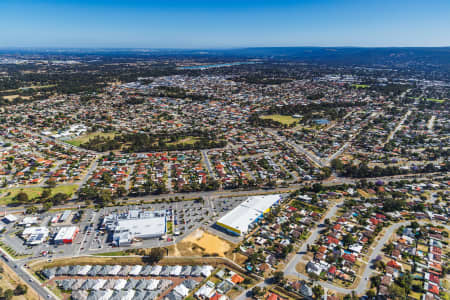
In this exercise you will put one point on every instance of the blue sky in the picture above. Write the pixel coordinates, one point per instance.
(223, 24)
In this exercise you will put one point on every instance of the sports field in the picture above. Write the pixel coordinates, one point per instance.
(86, 137)
(7, 195)
(285, 120)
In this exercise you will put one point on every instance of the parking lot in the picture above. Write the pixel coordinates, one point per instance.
(184, 216)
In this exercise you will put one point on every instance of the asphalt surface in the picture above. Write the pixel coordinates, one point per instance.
(290, 267)
(18, 268)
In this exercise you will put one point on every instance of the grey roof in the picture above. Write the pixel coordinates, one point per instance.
(73, 270)
(94, 270)
(62, 270)
(186, 271)
(78, 284)
(124, 271)
(165, 271)
(154, 268)
(146, 271)
(104, 271)
(88, 284)
(65, 284)
(49, 273)
(196, 271)
(95, 295)
(164, 284)
(118, 295)
(142, 284)
(131, 284)
(151, 295)
(109, 284)
(140, 295)
(190, 283)
(79, 295)
(173, 296)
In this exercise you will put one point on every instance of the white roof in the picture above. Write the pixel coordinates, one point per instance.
(206, 270)
(99, 284)
(114, 270)
(248, 211)
(120, 284)
(129, 295)
(182, 290)
(11, 218)
(206, 290)
(35, 230)
(156, 270)
(152, 285)
(176, 270)
(135, 270)
(106, 295)
(66, 233)
(142, 227)
(29, 220)
(84, 270)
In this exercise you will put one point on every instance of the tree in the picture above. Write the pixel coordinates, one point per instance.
(47, 205)
(31, 210)
(8, 294)
(256, 291)
(396, 292)
(277, 277)
(51, 184)
(318, 291)
(371, 294)
(59, 198)
(21, 289)
(105, 197)
(348, 239)
(156, 254)
(46, 193)
(22, 197)
(121, 191)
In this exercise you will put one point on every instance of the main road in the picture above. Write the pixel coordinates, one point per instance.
(18, 268)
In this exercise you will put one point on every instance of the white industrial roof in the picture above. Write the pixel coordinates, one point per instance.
(142, 227)
(11, 218)
(248, 211)
(66, 233)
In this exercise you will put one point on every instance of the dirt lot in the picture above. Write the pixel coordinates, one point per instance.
(202, 243)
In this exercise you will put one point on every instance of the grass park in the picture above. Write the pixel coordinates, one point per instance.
(7, 195)
(86, 137)
(436, 100)
(190, 140)
(361, 86)
(285, 120)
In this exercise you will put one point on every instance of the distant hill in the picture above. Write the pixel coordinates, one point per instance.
(348, 55)
(429, 57)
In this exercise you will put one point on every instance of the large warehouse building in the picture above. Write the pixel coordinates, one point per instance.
(140, 224)
(238, 220)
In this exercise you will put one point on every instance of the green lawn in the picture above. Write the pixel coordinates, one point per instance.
(285, 120)
(9, 194)
(361, 86)
(169, 227)
(190, 140)
(86, 137)
(436, 100)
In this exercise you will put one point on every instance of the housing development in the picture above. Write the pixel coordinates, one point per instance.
(225, 175)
